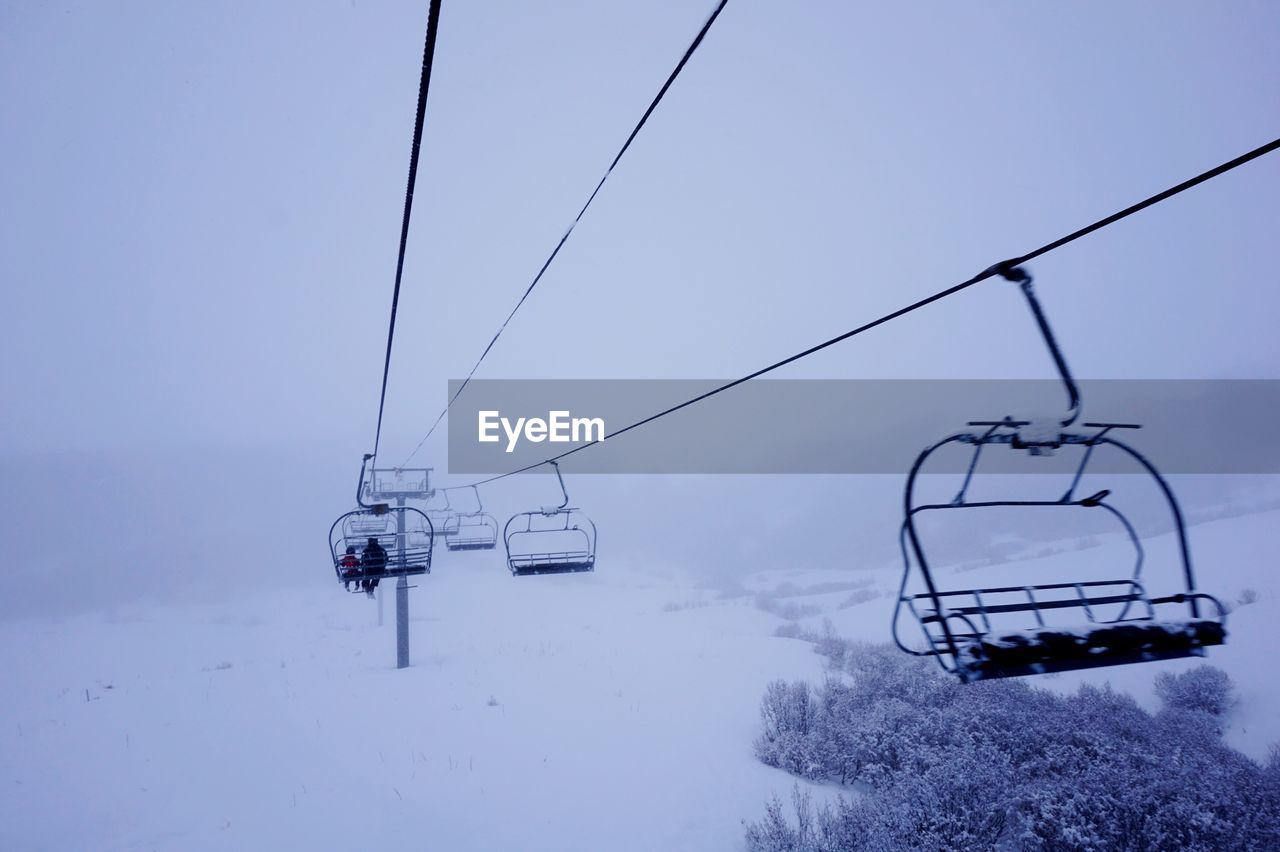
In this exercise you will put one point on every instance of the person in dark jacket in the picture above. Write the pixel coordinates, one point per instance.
(374, 562)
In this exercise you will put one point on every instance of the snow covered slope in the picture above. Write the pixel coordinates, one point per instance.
(610, 710)
(561, 712)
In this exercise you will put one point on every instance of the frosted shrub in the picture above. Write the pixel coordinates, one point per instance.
(786, 716)
(1204, 688)
(831, 646)
(1001, 764)
(959, 803)
(775, 834)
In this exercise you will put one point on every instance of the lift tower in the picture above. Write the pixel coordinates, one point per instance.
(399, 484)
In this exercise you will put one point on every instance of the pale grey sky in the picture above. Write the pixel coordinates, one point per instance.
(200, 202)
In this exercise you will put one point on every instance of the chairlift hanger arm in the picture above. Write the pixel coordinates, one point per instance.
(555, 464)
(364, 463)
(1023, 279)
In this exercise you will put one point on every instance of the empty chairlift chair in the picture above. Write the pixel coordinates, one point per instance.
(476, 530)
(1012, 629)
(550, 540)
(443, 517)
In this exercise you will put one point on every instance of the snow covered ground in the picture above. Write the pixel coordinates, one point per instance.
(613, 710)
(559, 712)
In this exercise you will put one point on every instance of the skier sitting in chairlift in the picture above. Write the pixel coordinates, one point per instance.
(374, 562)
(350, 565)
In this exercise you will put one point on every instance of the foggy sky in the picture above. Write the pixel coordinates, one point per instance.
(200, 206)
(201, 203)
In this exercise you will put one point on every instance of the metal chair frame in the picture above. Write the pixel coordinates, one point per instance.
(405, 533)
(567, 520)
(476, 530)
(408, 539)
(957, 624)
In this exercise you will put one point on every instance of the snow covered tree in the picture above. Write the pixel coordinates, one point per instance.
(787, 715)
(1205, 688)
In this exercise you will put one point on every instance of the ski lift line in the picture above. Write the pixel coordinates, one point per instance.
(1006, 268)
(1149, 202)
(424, 83)
(693, 46)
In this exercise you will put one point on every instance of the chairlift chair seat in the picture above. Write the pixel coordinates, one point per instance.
(1057, 649)
(1133, 635)
(551, 563)
(477, 531)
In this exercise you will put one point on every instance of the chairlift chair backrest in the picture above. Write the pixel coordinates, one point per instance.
(443, 517)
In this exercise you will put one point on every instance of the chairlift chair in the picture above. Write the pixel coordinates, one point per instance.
(550, 540)
(1017, 630)
(405, 533)
(476, 530)
(443, 518)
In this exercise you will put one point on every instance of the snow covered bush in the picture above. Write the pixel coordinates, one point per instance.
(1001, 764)
(786, 715)
(775, 834)
(830, 645)
(1204, 688)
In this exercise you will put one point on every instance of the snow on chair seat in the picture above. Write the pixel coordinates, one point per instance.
(459, 541)
(551, 563)
(1057, 649)
(1122, 627)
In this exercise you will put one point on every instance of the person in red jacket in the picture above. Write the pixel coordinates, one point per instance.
(350, 565)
